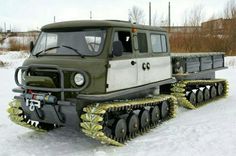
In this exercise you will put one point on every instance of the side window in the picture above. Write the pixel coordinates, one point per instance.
(163, 43)
(142, 43)
(158, 43)
(125, 38)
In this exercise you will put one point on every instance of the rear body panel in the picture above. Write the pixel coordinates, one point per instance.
(196, 65)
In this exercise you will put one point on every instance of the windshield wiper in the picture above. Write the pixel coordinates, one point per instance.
(46, 50)
(75, 50)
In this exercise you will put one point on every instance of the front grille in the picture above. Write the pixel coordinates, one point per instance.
(52, 73)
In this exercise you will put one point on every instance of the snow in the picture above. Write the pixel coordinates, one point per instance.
(22, 40)
(230, 62)
(13, 59)
(209, 130)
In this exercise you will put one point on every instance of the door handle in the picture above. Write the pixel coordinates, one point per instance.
(144, 66)
(133, 63)
(148, 66)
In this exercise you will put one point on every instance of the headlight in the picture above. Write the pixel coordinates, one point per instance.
(79, 79)
(23, 75)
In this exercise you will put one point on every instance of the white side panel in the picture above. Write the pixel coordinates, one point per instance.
(160, 69)
(121, 75)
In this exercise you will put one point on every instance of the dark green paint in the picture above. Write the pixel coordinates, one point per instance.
(73, 25)
(95, 66)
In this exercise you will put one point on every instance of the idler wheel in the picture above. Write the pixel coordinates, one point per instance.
(192, 98)
(199, 95)
(119, 129)
(144, 118)
(220, 89)
(133, 123)
(206, 94)
(213, 91)
(155, 114)
(164, 109)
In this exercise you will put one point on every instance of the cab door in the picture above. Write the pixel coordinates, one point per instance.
(122, 71)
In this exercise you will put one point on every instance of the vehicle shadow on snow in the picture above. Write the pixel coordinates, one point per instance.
(69, 140)
(64, 141)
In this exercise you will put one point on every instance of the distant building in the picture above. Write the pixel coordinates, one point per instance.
(182, 29)
(218, 26)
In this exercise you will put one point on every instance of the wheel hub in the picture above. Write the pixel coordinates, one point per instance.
(192, 97)
(119, 128)
(164, 109)
(213, 91)
(155, 114)
(144, 118)
(133, 123)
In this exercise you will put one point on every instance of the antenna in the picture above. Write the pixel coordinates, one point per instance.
(150, 13)
(169, 16)
(5, 27)
(91, 15)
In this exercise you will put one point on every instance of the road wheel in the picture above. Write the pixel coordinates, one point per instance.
(133, 123)
(199, 95)
(164, 109)
(155, 114)
(120, 128)
(206, 94)
(192, 98)
(144, 118)
(213, 91)
(220, 89)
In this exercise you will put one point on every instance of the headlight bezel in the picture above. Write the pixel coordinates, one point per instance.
(84, 84)
(79, 79)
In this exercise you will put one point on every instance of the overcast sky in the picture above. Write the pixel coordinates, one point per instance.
(32, 14)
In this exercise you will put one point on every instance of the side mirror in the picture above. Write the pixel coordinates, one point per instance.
(117, 48)
(31, 46)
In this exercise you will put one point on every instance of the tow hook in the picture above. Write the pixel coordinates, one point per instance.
(32, 104)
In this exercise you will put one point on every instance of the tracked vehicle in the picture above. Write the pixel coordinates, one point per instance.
(113, 80)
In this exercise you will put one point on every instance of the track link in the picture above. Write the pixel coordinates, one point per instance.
(17, 116)
(180, 90)
(94, 118)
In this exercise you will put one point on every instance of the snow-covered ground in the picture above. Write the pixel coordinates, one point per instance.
(209, 130)
(22, 40)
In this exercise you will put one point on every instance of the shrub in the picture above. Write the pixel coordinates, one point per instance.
(1, 64)
(15, 45)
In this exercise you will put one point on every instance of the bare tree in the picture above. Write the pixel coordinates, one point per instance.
(229, 27)
(230, 9)
(155, 21)
(195, 16)
(161, 21)
(136, 15)
(192, 34)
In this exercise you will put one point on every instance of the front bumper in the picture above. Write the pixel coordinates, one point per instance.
(62, 113)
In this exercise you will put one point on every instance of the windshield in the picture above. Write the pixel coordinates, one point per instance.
(84, 43)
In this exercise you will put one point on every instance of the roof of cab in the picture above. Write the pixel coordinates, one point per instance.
(73, 25)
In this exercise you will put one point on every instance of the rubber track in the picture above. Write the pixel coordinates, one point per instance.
(179, 91)
(93, 118)
(16, 116)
